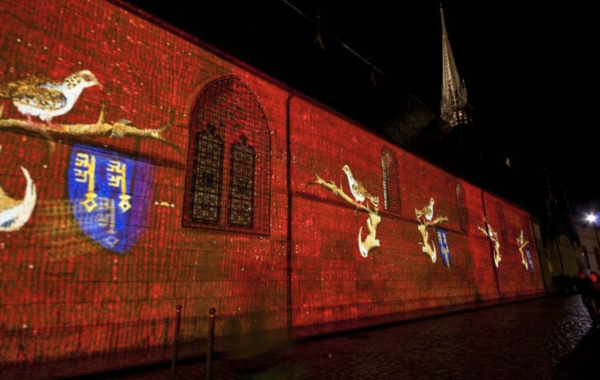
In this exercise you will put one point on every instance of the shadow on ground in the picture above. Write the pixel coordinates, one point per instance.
(583, 362)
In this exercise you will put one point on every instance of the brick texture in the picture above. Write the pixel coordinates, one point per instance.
(62, 293)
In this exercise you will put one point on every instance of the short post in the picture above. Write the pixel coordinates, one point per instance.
(211, 338)
(176, 339)
(166, 335)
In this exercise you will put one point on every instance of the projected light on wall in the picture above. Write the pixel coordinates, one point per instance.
(14, 213)
(361, 200)
(110, 195)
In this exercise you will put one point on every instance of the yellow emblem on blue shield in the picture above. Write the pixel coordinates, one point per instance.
(110, 195)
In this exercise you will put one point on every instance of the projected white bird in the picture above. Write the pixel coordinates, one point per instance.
(359, 192)
(427, 211)
(14, 214)
(47, 99)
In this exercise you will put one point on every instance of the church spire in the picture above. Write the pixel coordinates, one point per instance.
(454, 105)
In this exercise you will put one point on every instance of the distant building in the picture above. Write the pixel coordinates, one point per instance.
(590, 245)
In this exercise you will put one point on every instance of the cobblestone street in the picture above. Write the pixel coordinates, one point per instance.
(547, 338)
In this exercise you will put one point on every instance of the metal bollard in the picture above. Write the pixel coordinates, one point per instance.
(211, 338)
(166, 335)
(176, 339)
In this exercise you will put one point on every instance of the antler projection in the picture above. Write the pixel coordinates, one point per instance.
(522, 244)
(493, 236)
(371, 241)
(428, 245)
(120, 129)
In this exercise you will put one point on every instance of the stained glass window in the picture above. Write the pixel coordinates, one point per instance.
(241, 188)
(391, 181)
(208, 170)
(229, 160)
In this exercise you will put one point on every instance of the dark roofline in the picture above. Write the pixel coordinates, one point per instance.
(123, 4)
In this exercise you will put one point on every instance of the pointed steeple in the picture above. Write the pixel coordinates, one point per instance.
(454, 106)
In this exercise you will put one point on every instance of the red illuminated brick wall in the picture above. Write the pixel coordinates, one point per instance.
(331, 281)
(65, 292)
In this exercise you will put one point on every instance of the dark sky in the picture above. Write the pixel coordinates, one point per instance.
(527, 65)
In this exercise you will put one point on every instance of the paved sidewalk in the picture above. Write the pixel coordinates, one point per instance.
(547, 338)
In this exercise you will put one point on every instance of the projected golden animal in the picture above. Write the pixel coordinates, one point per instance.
(45, 99)
(425, 219)
(522, 244)
(14, 213)
(359, 193)
(427, 211)
(493, 236)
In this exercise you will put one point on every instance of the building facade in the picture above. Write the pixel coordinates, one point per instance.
(590, 247)
(142, 170)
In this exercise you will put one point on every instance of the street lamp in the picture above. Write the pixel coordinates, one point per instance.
(591, 218)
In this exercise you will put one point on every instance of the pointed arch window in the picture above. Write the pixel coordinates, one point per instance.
(463, 212)
(207, 177)
(391, 181)
(241, 187)
(501, 222)
(229, 161)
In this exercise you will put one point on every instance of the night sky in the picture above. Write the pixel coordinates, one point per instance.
(527, 67)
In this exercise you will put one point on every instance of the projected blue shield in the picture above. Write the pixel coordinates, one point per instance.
(442, 238)
(110, 196)
(529, 261)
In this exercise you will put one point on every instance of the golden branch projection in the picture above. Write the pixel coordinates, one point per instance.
(119, 129)
(493, 236)
(425, 219)
(371, 241)
(522, 244)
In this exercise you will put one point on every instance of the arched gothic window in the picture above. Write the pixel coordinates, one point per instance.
(229, 161)
(391, 181)
(241, 185)
(463, 213)
(207, 177)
